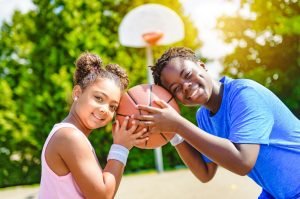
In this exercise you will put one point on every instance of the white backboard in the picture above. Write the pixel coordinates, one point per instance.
(150, 18)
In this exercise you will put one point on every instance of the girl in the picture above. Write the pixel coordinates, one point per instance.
(242, 126)
(70, 168)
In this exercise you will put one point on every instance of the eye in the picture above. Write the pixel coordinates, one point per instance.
(99, 99)
(113, 108)
(188, 75)
(176, 89)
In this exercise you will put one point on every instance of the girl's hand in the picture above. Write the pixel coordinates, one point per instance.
(164, 118)
(128, 138)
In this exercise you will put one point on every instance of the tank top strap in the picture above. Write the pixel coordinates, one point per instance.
(58, 126)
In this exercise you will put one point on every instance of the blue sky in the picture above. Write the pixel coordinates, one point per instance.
(202, 12)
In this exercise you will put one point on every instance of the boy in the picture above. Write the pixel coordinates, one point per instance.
(242, 126)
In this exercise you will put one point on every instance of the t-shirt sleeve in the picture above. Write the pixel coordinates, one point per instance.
(251, 120)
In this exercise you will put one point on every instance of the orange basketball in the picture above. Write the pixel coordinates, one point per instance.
(144, 94)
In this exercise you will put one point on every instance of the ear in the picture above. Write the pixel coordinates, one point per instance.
(201, 64)
(76, 92)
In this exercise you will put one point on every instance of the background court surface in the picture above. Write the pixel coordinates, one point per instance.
(178, 184)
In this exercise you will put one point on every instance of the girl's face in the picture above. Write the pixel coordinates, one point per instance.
(97, 103)
(187, 81)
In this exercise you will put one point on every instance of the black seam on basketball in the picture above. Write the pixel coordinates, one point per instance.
(130, 95)
(164, 136)
(148, 129)
(122, 115)
(170, 99)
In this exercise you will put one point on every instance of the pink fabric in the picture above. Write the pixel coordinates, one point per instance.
(53, 186)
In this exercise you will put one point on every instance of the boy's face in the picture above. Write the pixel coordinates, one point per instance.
(187, 81)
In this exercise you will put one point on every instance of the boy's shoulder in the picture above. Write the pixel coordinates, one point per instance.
(239, 82)
(235, 86)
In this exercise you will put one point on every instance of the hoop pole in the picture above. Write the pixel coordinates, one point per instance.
(157, 151)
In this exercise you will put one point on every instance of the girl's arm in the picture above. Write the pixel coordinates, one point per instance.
(85, 168)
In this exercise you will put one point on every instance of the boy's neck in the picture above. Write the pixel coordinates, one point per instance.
(215, 100)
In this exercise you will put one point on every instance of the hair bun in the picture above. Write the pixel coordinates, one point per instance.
(86, 63)
(120, 72)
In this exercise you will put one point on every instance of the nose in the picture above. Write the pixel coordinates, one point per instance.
(103, 109)
(186, 86)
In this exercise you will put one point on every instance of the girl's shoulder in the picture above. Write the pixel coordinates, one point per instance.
(67, 136)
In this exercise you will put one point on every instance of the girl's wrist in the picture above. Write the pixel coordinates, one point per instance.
(118, 152)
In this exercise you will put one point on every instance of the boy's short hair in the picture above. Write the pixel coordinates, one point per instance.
(171, 53)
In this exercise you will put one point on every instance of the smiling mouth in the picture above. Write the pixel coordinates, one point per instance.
(193, 94)
(97, 117)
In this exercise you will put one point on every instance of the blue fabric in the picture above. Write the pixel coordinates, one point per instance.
(250, 113)
(265, 195)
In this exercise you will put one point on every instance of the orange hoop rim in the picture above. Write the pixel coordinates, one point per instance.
(153, 37)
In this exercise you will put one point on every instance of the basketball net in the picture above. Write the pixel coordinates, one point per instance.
(152, 38)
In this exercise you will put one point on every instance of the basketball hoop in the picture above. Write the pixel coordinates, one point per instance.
(147, 20)
(152, 37)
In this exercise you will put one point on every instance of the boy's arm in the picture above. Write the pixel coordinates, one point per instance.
(238, 158)
(193, 160)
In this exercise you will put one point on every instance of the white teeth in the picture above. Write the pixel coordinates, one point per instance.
(194, 92)
(99, 118)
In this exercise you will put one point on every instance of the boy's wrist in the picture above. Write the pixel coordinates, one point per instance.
(177, 139)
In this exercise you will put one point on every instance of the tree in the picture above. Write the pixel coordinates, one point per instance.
(267, 46)
(38, 51)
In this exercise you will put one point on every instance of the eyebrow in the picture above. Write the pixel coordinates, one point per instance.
(181, 73)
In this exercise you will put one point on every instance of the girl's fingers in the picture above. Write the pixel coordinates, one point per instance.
(141, 141)
(146, 134)
(115, 126)
(133, 127)
(141, 133)
(124, 124)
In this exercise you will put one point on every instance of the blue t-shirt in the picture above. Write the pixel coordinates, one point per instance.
(250, 113)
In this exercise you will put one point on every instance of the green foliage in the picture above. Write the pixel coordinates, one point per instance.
(267, 47)
(38, 51)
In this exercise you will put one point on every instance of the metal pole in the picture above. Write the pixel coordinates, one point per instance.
(157, 152)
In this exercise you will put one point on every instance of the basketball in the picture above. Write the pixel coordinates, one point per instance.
(144, 94)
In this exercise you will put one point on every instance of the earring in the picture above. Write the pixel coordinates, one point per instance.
(75, 98)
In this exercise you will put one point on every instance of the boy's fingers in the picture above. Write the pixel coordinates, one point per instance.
(143, 117)
(161, 103)
(146, 123)
(149, 109)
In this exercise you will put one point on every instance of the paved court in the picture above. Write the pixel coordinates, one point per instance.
(178, 184)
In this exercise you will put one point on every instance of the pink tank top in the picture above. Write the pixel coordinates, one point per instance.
(54, 186)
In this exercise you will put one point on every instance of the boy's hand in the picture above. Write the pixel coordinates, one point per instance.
(164, 118)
